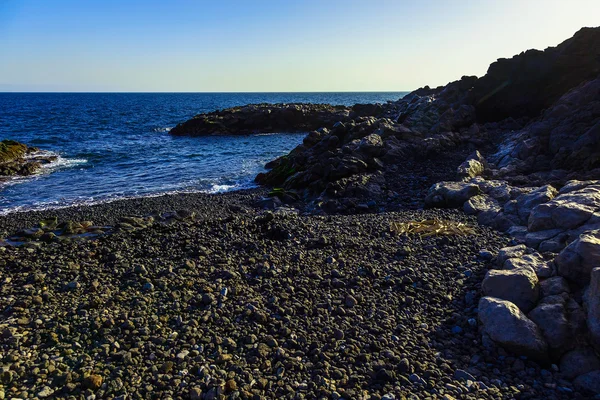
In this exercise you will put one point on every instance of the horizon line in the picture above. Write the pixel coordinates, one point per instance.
(206, 92)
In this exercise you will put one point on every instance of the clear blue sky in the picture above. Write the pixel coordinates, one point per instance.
(270, 45)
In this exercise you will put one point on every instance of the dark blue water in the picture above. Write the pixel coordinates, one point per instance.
(115, 145)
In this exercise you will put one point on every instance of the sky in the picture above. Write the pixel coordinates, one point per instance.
(270, 45)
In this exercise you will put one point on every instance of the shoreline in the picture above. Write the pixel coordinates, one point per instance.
(109, 213)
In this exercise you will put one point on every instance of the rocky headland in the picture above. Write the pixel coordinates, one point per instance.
(446, 245)
(17, 159)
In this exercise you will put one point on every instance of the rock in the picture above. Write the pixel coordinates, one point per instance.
(593, 308)
(552, 320)
(519, 286)
(569, 210)
(463, 375)
(533, 80)
(535, 239)
(45, 392)
(511, 329)
(196, 393)
(553, 286)
(510, 252)
(579, 362)
(533, 261)
(450, 194)
(589, 382)
(92, 382)
(473, 166)
(371, 145)
(481, 203)
(526, 202)
(257, 118)
(576, 261)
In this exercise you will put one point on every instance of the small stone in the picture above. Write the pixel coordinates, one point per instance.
(230, 386)
(45, 392)
(351, 301)
(195, 393)
(464, 375)
(93, 382)
(208, 299)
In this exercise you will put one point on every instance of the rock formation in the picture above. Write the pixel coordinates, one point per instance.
(265, 118)
(16, 159)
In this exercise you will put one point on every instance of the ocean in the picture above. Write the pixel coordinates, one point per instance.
(116, 145)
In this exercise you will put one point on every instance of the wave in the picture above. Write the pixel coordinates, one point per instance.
(162, 129)
(57, 162)
(215, 188)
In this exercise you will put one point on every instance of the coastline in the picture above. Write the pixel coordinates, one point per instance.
(393, 258)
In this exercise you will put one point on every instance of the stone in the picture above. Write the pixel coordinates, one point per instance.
(553, 322)
(534, 239)
(507, 326)
(93, 382)
(510, 252)
(533, 261)
(576, 261)
(526, 202)
(554, 244)
(593, 308)
(589, 382)
(450, 194)
(473, 166)
(464, 375)
(371, 145)
(579, 362)
(481, 203)
(519, 286)
(553, 286)
(196, 393)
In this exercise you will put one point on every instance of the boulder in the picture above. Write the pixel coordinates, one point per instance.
(371, 145)
(533, 261)
(519, 286)
(554, 286)
(553, 322)
(510, 328)
(450, 194)
(535, 239)
(526, 202)
(510, 252)
(579, 362)
(593, 308)
(481, 203)
(569, 210)
(589, 382)
(473, 166)
(576, 261)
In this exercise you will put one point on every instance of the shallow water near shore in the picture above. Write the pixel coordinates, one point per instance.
(116, 145)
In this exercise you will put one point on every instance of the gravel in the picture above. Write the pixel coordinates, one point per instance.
(245, 303)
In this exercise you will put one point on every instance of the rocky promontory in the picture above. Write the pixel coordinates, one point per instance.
(17, 159)
(263, 118)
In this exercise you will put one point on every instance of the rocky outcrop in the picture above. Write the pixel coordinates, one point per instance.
(17, 159)
(532, 81)
(265, 118)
